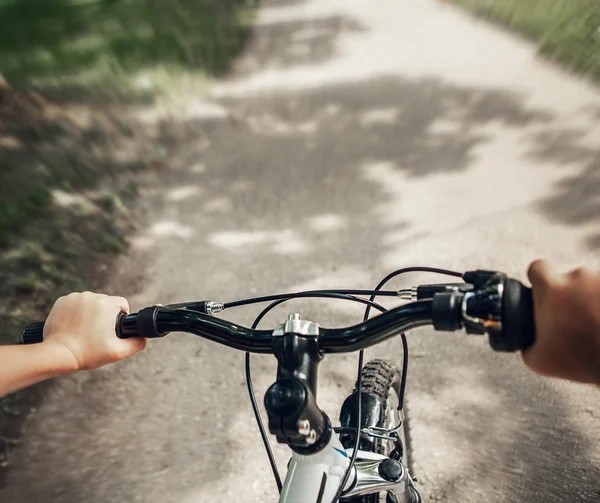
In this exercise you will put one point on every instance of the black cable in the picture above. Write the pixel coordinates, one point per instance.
(341, 294)
(405, 270)
(345, 430)
(381, 284)
(340, 490)
(261, 426)
(323, 294)
(269, 298)
(404, 369)
(263, 313)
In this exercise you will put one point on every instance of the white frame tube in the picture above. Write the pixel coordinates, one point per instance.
(316, 475)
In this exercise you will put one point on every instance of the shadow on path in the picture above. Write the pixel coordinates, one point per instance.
(576, 199)
(278, 191)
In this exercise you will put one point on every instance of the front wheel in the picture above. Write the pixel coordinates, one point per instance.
(380, 398)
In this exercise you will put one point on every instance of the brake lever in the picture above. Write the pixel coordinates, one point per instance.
(479, 278)
(502, 308)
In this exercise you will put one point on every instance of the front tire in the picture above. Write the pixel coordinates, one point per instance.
(379, 399)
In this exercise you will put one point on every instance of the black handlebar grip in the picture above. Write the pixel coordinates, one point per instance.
(144, 323)
(518, 324)
(33, 333)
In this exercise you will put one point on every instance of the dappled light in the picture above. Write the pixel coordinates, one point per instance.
(283, 242)
(575, 199)
(183, 193)
(203, 110)
(218, 205)
(239, 239)
(445, 126)
(197, 168)
(283, 44)
(289, 242)
(142, 243)
(348, 140)
(168, 229)
(473, 396)
(241, 186)
(10, 143)
(380, 116)
(70, 200)
(271, 126)
(328, 222)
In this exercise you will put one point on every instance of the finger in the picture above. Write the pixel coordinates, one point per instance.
(121, 303)
(133, 345)
(540, 273)
(61, 300)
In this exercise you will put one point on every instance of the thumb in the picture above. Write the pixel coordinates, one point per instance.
(540, 273)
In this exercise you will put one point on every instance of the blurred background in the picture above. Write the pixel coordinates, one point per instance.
(220, 149)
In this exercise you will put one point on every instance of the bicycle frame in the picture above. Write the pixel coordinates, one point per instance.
(319, 460)
(317, 477)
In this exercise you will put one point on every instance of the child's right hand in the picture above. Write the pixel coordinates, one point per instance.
(84, 324)
(567, 319)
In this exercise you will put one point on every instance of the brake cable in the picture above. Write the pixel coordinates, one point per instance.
(381, 284)
(335, 294)
(263, 313)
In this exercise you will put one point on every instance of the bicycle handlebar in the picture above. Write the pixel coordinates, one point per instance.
(158, 321)
(502, 308)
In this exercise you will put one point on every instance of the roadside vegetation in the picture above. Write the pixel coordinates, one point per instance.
(74, 156)
(73, 73)
(567, 31)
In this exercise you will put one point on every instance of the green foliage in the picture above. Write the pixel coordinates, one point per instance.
(55, 38)
(14, 214)
(111, 243)
(103, 55)
(76, 50)
(566, 30)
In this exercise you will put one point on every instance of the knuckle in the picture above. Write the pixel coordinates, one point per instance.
(116, 354)
(62, 300)
(536, 264)
(537, 272)
(578, 274)
(123, 302)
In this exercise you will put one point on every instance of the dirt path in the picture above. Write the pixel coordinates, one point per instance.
(353, 139)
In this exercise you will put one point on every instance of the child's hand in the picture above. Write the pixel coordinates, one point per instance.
(84, 324)
(567, 319)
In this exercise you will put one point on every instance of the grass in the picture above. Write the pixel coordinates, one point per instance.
(55, 39)
(99, 59)
(94, 52)
(14, 214)
(567, 31)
